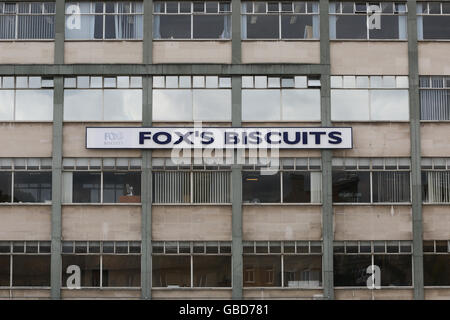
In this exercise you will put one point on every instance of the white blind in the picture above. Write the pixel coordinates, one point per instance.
(171, 187)
(438, 186)
(211, 187)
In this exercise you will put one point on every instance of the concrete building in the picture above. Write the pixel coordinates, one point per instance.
(132, 224)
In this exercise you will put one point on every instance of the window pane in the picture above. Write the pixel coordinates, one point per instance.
(5, 186)
(171, 271)
(211, 187)
(83, 105)
(396, 270)
(172, 105)
(303, 271)
(296, 187)
(391, 186)
(389, 105)
(6, 104)
(262, 271)
(351, 27)
(262, 27)
(34, 105)
(84, 27)
(122, 104)
(436, 27)
(434, 104)
(121, 187)
(121, 271)
(302, 105)
(212, 271)
(89, 269)
(351, 186)
(261, 105)
(172, 27)
(4, 271)
(211, 27)
(390, 28)
(297, 26)
(171, 187)
(32, 186)
(35, 26)
(86, 187)
(436, 269)
(349, 105)
(257, 188)
(204, 110)
(31, 270)
(350, 270)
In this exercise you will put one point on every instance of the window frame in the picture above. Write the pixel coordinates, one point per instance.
(422, 14)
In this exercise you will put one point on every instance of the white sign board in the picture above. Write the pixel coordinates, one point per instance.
(218, 138)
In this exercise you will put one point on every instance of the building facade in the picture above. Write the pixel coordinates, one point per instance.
(135, 224)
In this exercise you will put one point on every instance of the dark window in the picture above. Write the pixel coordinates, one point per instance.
(302, 271)
(5, 186)
(89, 268)
(262, 271)
(350, 270)
(122, 271)
(86, 187)
(263, 27)
(351, 27)
(212, 271)
(351, 186)
(174, 26)
(436, 27)
(32, 186)
(436, 269)
(258, 188)
(296, 187)
(121, 187)
(396, 270)
(389, 28)
(210, 26)
(31, 270)
(4, 271)
(296, 27)
(171, 271)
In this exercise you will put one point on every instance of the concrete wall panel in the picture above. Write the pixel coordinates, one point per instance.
(26, 139)
(434, 58)
(27, 52)
(272, 293)
(192, 52)
(436, 222)
(191, 294)
(25, 222)
(437, 294)
(434, 139)
(103, 52)
(280, 51)
(381, 294)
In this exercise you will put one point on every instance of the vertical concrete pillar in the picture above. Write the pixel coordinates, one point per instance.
(56, 260)
(416, 182)
(327, 201)
(235, 31)
(236, 195)
(59, 31)
(148, 32)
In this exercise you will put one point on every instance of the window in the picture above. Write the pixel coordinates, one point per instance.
(192, 20)
(280, 98)
(103, 98)
(103, 264)
(352, 258)
(196, 98)
(104, 20)
(191, 187)
(362, 181)
(25, 264)
(433, 19)
(27, 20)
(191, 264)
(290, 264)
(298, 181)
(280, 20)
(434, 98)
(436, 260)
(435, 180)
(368, 21)
(105, 180)
(369, 98)
(25, 180)
(26, 99)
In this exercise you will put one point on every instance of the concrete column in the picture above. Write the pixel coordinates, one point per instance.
(327, 201)
(236, 32)
(148, 32)
(146, 195)
(56, 260)
(416, 182)
(236, 196)
(59, 31)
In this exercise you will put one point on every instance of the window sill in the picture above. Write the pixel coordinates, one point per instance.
(191, 288)
(436, 203)
(381, 288)
(379, 204)
(191, 204)
(103, 288)
(25, 204)
(434, 121)
(280, 40)
(280, 204)
(192, 40)
(371, 121)
(103, 40)
(281, 288)
(102, 204)
(27, 40)
(434, 40)
(369, 40)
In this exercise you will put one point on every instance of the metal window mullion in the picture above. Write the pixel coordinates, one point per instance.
(12, 186)
(282, 270)
(371, 186)
(281, 187)
(10, 267)
(103, 19)
(101, 270)
(192, 271)
(191, 177)
(101, 186)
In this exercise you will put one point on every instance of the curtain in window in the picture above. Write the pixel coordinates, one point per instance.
(156, 22)
(438, 187)
(35, 27)
(316, 187)
(79, 26)
(434, 104)
(244, 21)
(171, 187)
(391, 186)
(226, 28)
(7, 27)
(419, 22)
(316, 22)
(211, 187)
